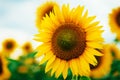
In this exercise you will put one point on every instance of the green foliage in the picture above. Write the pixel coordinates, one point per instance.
(84, 78)
(35, 71)
(116, 40)
(80, 78)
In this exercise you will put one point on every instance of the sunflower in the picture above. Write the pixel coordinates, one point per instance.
(29, 61)
(8, 46)
(22, 69)
(104, 64)
(4, 72)
(27, 48)
(114, 50)
(69, 40)
(114, 21)
(44, 10)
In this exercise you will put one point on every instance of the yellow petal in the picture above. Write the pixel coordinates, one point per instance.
(43, 37)
(74, 67)
(42, 49)
(93, 28)
(60, 69)
(47, 25)
(58, 14)
(94, 32)
(45, 31)
(50, 23)
(77, 14)
(85, 15)
(40, 34)
(95, 45)
(84, 19)
(55, 65)
(94, 52)
(65, 71)
(43, 46)
(88, 21)
(71, 67)
(65, 12)
(84, 66)
(48, 68)
(89, 58)
(50, 62)
(54, 20)
(47, 57)
(95, 39)
(81, 10)
(80, 70)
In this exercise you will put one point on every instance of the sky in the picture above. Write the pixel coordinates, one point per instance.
(17, 17)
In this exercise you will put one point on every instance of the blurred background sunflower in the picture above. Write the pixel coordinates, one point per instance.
(27, 48)
(8, 46)
(44, 10)
(114, 21)
(104, 64)
(4, 71)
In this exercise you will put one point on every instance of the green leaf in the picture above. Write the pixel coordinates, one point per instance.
(115, 66)
(84, 78)
(31, 54)
(116, 40)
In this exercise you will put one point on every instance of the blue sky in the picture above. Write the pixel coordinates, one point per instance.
(17, 17)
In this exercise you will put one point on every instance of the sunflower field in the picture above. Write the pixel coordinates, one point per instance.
(59, 40)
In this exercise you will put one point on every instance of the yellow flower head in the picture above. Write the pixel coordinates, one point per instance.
(114, 51)
(69, 40)
(23, 69)
(29, 61)
(4, 72)
(27, 48)
(114, 21)
(44, 10)
(104, 64)
(8, 46)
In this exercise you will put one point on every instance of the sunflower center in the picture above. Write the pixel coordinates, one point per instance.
(68, 41)
(1, 69)
(9, 45)
(113, 53)
(27, 47)
(99, 62)
(118, 19)
(48, 11)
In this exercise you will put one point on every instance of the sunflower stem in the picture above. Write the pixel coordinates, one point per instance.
(76, 78)
(72, 78)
